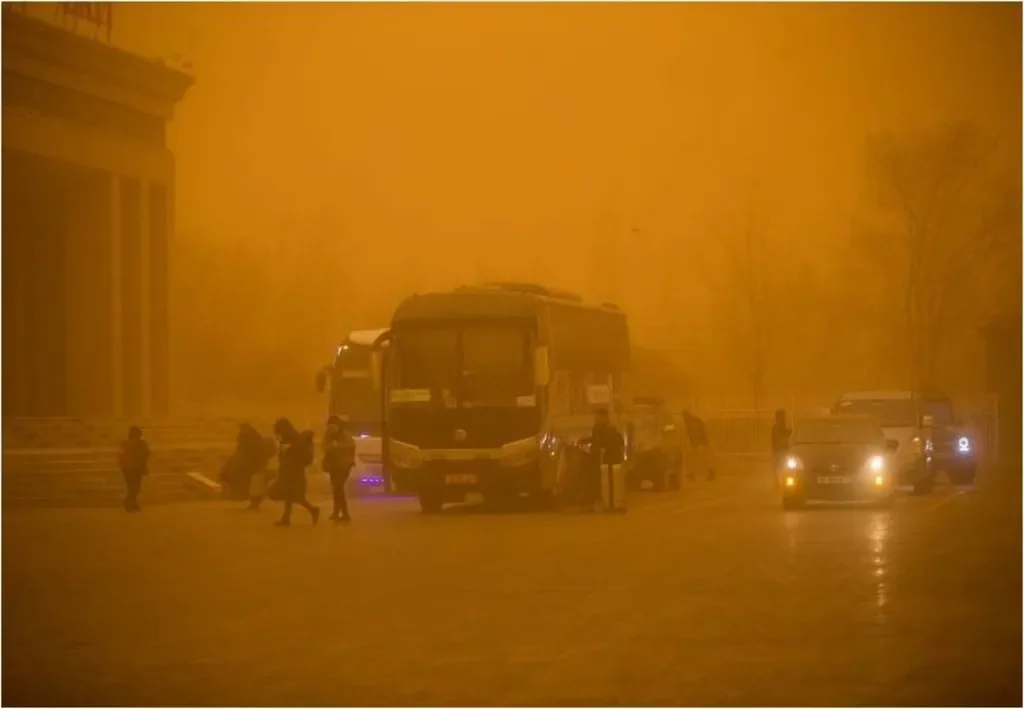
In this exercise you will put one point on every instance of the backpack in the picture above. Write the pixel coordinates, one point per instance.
(306, 448)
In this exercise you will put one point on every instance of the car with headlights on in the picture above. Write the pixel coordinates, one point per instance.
(900, 415)
(838, 458)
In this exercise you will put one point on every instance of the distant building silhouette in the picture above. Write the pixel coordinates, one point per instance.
(88, 201)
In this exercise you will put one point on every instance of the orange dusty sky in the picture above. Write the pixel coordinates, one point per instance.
(442, 143)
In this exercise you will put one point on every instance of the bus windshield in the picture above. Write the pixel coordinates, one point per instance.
(353, 394)
(476, 363)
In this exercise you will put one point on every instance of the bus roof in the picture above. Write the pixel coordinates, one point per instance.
(492, 300)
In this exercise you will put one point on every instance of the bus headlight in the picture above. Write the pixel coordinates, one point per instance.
(963, 445)
(792, 463)
(876, 464)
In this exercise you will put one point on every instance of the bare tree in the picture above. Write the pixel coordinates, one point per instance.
(746, 282)
(941, 211)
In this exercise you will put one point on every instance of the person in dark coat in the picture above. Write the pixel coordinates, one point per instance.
(780, 443)
(243, 462)
(607, 447)
(254, 452)
(134, 463)
(295, 453)
(700, 447)
(339, 457)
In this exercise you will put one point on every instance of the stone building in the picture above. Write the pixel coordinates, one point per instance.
(88, 205)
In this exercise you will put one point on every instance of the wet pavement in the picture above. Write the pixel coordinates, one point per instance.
(711, 596)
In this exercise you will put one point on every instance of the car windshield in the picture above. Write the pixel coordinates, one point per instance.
(466, 364)
(888, 412)
(827, 431)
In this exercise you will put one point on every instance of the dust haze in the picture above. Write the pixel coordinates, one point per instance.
(738, 178)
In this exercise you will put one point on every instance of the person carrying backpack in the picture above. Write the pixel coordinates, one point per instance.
(134, 462)
(339, 457)
(295, 454)
(259, 482)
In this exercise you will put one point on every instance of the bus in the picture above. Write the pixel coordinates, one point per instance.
(487, 388)
(352, 383)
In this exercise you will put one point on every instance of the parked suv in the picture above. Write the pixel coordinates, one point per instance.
(655, 445)
(928, 436)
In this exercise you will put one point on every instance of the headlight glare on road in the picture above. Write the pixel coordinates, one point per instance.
(876, 464)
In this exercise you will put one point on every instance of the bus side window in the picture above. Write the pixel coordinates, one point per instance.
(561, 394)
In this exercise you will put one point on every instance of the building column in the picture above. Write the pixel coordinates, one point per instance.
(116, 331)
(145, 305)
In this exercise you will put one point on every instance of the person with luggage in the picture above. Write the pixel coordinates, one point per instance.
(295, 453)
(339, 457)
(134, 462)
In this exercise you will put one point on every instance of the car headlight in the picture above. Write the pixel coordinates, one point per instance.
(876, 464)
(963, 445)
(792, 463)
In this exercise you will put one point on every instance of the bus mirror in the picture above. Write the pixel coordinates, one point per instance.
(541, 366)
(375, 370)
(321, 381)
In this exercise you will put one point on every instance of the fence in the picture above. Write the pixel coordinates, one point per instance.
(733, 432)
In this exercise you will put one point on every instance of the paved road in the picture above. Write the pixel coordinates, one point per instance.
(709, 596)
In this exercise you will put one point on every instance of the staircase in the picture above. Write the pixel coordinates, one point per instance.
(90, 477)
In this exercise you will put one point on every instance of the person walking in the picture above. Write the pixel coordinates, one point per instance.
(263, 451)
(339, 457)
(780, 444)
(295, 454)
(701, 456)
(134, 462)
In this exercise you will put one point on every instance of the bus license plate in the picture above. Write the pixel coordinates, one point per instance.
(463, 479)
(834, 480)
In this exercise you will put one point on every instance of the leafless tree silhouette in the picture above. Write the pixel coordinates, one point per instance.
(942, 210)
